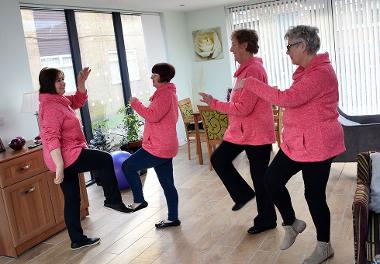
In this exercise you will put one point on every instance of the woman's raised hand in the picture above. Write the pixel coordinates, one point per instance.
(206, 98)
(131, 99)
(82, 77)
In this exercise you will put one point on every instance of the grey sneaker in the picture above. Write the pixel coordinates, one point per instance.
(322, 251)
(291, 233)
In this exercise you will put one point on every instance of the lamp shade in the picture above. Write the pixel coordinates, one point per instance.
(30, 102)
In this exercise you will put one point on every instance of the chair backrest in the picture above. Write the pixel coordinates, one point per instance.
(186, 109)
(214, 123)
(277, 117)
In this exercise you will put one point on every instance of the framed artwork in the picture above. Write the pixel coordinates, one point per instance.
(2, 148)
(208, 44)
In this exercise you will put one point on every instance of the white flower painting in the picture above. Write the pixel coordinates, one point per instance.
(207, 44)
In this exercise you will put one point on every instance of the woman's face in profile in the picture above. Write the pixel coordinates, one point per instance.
(155, 79)
(60, 84)
(237, 49)
(295, 50)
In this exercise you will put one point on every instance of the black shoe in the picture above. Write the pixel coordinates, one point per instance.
(119, 207)
(88, 242)
(258, 229)
(238, 206)
(141, 206)
(163, 223)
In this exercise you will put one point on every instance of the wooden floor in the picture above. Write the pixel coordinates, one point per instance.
(210, 231)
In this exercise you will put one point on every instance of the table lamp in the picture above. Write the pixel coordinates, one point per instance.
(30, 104)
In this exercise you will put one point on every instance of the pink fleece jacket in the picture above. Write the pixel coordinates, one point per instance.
(250, 118)
(160, 132)
(312, 131)
(60, 127)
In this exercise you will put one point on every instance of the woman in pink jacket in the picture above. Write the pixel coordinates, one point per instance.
(312, 136)
(250, 129)
(160, 143)
(65, 150)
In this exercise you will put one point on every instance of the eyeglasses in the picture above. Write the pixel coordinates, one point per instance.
(291, 45)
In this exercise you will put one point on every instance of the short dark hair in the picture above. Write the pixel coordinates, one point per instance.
(165, 70)
(47, 79)
(250, 37)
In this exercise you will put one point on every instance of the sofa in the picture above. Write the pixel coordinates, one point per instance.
(361, 133)
(366, 223)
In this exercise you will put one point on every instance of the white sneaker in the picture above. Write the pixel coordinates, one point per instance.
(322, 251)
(291, 233)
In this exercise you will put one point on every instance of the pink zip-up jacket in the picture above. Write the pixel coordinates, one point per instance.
(250, 118)
(312, 131)
(60, 127)
(160, 132)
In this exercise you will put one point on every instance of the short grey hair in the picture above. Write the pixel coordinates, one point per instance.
(307, 34)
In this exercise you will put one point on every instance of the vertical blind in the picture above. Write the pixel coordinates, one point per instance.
(349, 31)
(357, 29)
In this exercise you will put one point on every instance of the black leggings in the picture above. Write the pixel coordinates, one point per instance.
(237, 187)
(88, 160)
(315, 176)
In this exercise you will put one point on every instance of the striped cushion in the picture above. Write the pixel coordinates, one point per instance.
(373, 236)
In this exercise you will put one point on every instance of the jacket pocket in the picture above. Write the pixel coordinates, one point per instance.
(294, 140)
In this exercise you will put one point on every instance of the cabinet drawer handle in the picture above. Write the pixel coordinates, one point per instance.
(31, 189)
(26, 167)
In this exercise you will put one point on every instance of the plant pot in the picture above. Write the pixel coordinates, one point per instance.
(132, 147)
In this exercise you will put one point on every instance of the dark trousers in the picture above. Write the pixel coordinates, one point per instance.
(315, 176)
(237, 187)
(142, 159)
(88, 160)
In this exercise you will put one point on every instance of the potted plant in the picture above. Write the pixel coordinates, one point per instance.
(101, 140)
(131, 125)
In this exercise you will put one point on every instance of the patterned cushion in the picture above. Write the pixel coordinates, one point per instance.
(373, 237)
(216, 124)
(187, 112)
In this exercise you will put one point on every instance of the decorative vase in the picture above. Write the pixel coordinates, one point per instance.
(17, 143)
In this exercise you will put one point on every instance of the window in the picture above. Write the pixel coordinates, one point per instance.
(47, 44)
(133, 65)
(97, 46)
(345, 27)
(114, 67)
(139, 75)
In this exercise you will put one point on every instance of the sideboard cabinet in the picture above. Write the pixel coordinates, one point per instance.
(31, 205)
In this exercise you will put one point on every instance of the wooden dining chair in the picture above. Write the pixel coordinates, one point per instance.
(186, 109)
(215, 124)
(277, 117)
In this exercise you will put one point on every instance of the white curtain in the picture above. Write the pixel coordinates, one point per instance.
(349, 31)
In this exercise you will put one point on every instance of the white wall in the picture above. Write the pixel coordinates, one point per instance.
(212, 76)
(14, 75)
(154, 39)
(178, 51)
